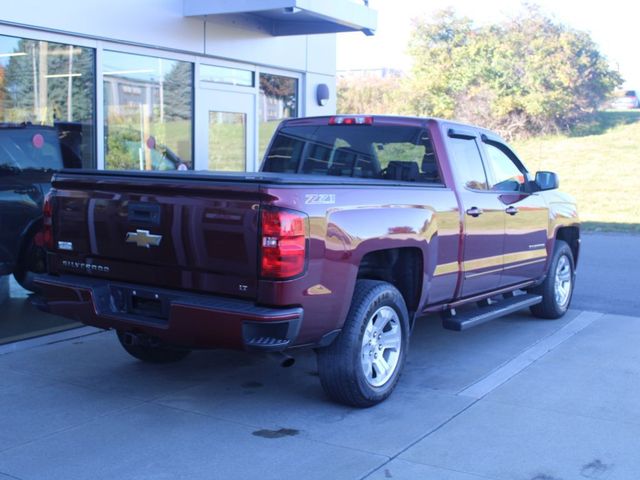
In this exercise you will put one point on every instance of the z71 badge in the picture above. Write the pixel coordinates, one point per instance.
(320, 199)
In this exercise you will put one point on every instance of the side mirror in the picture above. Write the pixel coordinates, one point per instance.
(547, 180)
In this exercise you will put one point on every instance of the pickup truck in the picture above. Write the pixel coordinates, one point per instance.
(354, 227)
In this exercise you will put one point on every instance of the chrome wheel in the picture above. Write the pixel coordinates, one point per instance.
(563, 281)
(381, 345)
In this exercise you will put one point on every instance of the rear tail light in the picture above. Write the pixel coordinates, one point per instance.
(357, 120)
(284, 243)
(47, 223)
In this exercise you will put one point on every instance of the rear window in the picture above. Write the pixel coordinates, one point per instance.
(362, 151)
(630, 93)
(25, 148)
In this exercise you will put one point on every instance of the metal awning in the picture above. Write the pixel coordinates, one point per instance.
(293, 17)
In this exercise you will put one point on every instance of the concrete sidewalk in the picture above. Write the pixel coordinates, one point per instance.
(519, 398)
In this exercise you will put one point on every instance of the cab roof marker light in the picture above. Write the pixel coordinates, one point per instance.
(351, 120)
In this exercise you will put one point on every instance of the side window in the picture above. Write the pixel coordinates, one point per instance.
(468, 163)
(507, 175)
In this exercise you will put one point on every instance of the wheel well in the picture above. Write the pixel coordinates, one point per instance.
(401, 267)
(570, 235)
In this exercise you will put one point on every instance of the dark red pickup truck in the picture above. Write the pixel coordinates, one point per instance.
(354, 227)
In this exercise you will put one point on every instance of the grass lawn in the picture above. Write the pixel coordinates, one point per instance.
(598, 165)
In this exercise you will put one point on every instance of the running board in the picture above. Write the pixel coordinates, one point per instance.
(484, 314)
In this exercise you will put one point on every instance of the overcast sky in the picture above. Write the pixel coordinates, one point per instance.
(614, 25)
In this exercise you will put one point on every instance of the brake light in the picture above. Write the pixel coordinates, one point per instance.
(47, 222)
(357, 120)
(284, 243)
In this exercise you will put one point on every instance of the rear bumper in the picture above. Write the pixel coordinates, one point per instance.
(173, 317)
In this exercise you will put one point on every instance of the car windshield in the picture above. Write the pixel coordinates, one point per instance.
(361, 151)
(29, 148)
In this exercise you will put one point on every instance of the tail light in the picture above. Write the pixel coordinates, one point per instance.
(47, 223)
(284, 243)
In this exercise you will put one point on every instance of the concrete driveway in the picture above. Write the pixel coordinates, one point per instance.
(519, 398)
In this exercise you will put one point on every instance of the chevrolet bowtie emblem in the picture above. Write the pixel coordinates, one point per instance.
(142, 238)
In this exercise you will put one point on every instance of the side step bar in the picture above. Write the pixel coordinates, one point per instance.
(485, 314)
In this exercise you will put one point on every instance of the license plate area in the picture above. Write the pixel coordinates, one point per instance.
(143, 304)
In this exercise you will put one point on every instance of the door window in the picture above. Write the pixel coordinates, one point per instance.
(507, 176)
(468, 163)
(227, 141)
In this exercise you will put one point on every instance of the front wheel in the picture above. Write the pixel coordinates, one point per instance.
(557, 288)
(363, 365)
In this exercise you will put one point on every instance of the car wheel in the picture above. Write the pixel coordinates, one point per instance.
(152, 353)
(557, 288)
(363, 365)
(32, 258)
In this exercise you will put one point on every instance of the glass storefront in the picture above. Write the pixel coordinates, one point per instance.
(278, 100)
(148, 112)
(49, 88)
(47, 122)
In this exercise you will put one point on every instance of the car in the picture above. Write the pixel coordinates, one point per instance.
(626, 101)
(29, 154)
(354, 228)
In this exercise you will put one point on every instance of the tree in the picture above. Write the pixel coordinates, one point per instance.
(370, 95)
(529, 74)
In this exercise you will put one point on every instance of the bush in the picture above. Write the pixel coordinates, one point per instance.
(525, 76)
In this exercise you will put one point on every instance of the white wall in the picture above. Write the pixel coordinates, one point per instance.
(160, 23)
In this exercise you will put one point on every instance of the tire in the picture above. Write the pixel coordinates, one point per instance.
(557, 288)
(352, 368)
(153, 354)
(32, 258)
(25, 279)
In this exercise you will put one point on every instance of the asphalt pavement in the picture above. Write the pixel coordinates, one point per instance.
(609, 274)
(517, 398)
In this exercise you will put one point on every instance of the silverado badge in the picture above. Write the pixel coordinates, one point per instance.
(142, 238)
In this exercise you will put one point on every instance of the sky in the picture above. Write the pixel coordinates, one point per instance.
(614, 26)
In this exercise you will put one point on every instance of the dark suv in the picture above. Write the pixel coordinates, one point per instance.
(29, 154)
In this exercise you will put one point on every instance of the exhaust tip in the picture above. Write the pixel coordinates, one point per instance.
(288, 362)
(285, 360)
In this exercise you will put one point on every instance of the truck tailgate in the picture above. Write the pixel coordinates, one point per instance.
(181, 233)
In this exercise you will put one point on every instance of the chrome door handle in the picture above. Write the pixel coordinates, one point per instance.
(511, 210)
(474, 211)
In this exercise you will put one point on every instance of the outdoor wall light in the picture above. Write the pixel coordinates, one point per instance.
(322, 94)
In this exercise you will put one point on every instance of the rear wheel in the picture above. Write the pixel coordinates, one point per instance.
(363, 365)
(557, 288)
(32, 259)
(151, 353)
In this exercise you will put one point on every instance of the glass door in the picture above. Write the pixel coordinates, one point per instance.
(225, 131)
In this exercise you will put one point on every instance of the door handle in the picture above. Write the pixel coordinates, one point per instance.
(474, 211)
(511, 210)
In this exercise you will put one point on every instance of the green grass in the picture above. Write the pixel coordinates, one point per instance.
(598, 165)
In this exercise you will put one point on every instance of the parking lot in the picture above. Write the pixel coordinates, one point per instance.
(518, 398)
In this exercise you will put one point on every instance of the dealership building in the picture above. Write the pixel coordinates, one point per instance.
(206, 79)
(164, 84)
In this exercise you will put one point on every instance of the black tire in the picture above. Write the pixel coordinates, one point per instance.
(25, 279)
(551, 306)
(342, 364)
(153, 354)
(32, 261)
